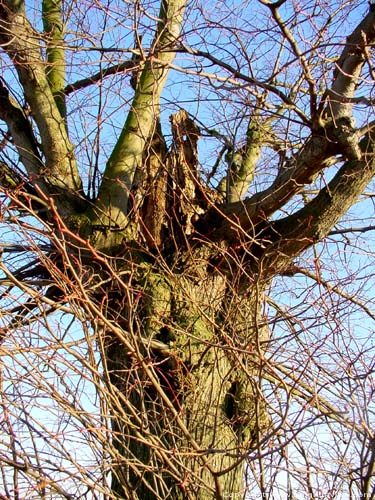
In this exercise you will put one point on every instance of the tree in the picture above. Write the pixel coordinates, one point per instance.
(165, 260)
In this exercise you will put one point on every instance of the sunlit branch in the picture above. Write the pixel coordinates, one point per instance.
(336, 289)
(291, 382)
(54, 33)
(334, 137)
(20, 41)
(21, 131)
(237, 76)
(127, 154)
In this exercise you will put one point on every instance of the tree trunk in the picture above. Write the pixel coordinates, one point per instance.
(182, 377)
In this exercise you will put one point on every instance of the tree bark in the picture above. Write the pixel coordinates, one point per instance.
(187, 402)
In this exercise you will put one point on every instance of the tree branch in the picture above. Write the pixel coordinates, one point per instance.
(332, 135)
(314, 222)
(127, 154)
(285, 99)
(336, 289)
(242, 163)
(290, 380)
(346, 78)
(55, 70)
(302, 169)
(21, 131)
(349, 67)
(20, 42)
(124, 67)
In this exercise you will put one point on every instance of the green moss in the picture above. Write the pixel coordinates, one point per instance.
(79, 224)
(157, 303)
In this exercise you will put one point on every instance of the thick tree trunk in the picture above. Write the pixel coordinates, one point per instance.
(182, 375)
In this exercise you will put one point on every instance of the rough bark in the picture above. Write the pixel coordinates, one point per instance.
(187, 398)
(188, 404)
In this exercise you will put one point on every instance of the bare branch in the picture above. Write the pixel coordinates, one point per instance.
(20, 42)
(302, 169)
(349, 67)
(243, 162)
(124, 67)
(21, 132)
(331, 137)
(314, 222)
(273, 89)
(336, 289)
(127, 154)
(291, 381)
